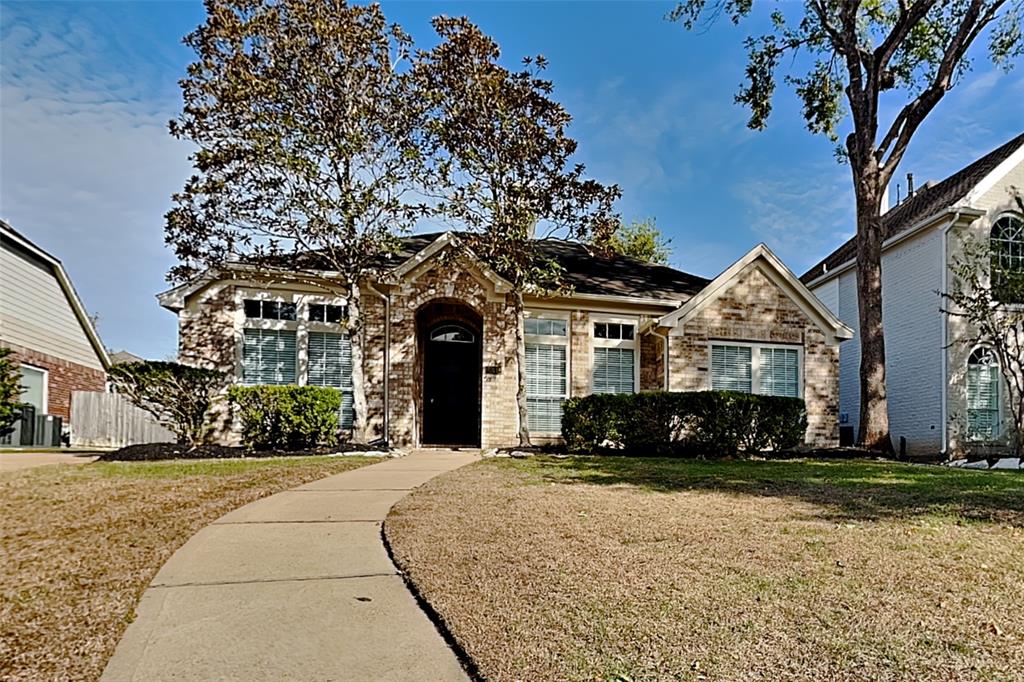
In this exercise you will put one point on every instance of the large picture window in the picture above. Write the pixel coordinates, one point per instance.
(268, 356)
(751, 368)
(982, 395)
(330, 364)
(547, 373)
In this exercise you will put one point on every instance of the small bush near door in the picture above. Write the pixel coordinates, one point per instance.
(699, 423)
(287, 417)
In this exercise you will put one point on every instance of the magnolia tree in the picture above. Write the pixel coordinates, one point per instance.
(987, 295)
(861, 60)
(308, 154)
(503, 166)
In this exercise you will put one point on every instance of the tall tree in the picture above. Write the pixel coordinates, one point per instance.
(10, 390)
(642, 240)
(308, 154)
(504, 163)
(911, 52)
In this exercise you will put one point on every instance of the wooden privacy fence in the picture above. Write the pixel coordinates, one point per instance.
(108, 420)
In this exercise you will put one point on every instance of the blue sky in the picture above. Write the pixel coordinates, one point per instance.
(87, 167)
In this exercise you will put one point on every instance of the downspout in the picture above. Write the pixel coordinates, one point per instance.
(387, 360)
(664, 347)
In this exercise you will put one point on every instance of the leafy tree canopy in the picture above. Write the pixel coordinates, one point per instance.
(503, 156)
(10, 390)
(642, 240)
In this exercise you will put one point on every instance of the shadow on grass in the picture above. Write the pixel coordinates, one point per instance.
(855, 490)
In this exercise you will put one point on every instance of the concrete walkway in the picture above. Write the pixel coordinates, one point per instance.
(15, 461)
(296, 586)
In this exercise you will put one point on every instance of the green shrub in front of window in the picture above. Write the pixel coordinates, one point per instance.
(287, 417)
(699, 424)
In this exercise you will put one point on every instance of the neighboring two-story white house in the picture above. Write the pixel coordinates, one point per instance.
(944, 397)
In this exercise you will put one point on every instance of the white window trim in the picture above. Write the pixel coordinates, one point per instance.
(301, 325)
(615, 343)
(46, 385)
(998, 435)
(553, 340)
(755, 362)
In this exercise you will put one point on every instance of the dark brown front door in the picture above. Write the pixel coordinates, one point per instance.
(451, 386)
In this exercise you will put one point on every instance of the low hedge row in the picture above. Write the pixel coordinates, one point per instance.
(698, 423)
(287, 417)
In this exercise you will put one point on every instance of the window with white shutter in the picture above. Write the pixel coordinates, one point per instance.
(614, 370)
(756, 368)
(731, 368)
(330, 364)
(982, 395)
(545, 386)
(268, 356)
(547, 372)
(614, 356)
(779, 371)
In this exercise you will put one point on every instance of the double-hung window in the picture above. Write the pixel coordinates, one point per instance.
(982, 395)
(614, 369)
(547, 372)
(752, 368)
(269, 356)
(330, 364)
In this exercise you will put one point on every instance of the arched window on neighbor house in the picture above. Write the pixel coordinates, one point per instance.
(1007, 245)
(983, 395)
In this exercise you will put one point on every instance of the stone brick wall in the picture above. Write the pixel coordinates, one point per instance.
(207, 337)
(457, 283)
(579, 354)
(755, 310)
(652, 362)
(63, 377)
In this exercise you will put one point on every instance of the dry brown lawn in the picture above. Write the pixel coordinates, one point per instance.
(640, 569)
(79, 544)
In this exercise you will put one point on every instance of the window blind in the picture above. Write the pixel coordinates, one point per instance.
(330, 364)
(730, 368)
(613, 370)
(983, 400)
(780, 372)
(268, 356)
(545, 386)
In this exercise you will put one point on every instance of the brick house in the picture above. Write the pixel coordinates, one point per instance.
(44, 322)
(439, 339)
(944, 395)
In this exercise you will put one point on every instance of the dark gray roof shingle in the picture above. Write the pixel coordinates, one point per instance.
(926, 202)
(588, 273)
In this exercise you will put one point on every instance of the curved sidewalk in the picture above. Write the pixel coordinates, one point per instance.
(296, 586)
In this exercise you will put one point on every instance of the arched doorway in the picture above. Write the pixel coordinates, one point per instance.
(451, 370)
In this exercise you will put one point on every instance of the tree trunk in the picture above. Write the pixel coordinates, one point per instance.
(874, 414)
(524, 427)
(355, 333)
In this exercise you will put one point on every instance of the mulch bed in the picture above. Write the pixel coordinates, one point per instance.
(150, 452)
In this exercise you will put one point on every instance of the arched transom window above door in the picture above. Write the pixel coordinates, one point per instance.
(1007, 246)
(452, 333)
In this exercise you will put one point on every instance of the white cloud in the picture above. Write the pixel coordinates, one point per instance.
(87, 167)
(801, 216)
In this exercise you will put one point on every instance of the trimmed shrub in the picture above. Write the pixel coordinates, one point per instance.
(698, 423)
(287, 417)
